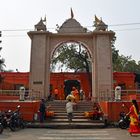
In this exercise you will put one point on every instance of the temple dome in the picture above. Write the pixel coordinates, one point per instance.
(71, 26)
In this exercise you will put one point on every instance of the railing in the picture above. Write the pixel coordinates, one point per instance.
(125, 95)
(34, 95)
(9, 92)
(30, 95)
(103, 95)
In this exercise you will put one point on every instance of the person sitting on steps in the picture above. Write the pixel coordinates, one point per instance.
(96, 112)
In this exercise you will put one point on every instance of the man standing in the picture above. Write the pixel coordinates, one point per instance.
(69, 109)
(42, 110)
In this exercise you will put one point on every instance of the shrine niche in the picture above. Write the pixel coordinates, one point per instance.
(97, 43)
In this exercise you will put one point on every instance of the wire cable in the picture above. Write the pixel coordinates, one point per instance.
(113, 25)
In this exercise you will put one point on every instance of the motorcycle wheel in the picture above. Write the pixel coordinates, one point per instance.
(1, 128)
(22, 124)
(123, 125)
(12, 127)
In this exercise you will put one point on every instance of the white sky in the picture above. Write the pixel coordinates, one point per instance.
(24, 14)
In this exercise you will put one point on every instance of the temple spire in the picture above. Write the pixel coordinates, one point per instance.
(72, 15)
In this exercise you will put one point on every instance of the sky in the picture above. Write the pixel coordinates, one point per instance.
(17, 17)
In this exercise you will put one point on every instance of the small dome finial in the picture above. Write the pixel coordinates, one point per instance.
(40, 26)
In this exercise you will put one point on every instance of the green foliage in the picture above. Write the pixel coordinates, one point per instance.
(2, 60)
(2, 65)
(123, 63)
(74, 57)
(126, 64)
(71, 56)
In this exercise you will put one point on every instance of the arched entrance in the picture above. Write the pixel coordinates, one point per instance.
(98, 43)
(74, 65)
(68, 84)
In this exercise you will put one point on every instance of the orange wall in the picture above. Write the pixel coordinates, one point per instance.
(28, 108)
(124, 77)
(11, 79)
(57, 80)
(113, 109)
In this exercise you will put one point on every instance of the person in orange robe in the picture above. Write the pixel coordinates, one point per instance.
(75, 93)
(134, 127)
(56, 93)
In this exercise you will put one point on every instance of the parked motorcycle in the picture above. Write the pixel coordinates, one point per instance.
(4, 120)
(12, 119)
(1, 126)
(124, 120)
(16, 120)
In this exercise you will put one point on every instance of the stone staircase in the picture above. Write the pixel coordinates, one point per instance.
(60, 119)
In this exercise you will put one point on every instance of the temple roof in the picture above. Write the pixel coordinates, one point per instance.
(40, 26)
(71, 26)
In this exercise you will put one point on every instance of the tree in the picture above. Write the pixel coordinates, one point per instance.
(123, 63)
(72, 56)
(2, 65)
(127, 64)
(115, 55)
(2, 60)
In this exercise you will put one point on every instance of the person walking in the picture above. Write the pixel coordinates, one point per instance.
(134, 127)
(69, 110)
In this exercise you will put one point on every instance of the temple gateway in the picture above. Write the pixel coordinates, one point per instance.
(97, 43)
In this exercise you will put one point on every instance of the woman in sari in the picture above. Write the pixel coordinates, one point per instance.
(134, 127)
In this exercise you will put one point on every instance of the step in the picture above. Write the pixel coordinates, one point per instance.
(66, 125)
(78, 107)
(63, 103)
(60, 105)
(74, 120)
(65, 117)
(60, 119)
(65, 113)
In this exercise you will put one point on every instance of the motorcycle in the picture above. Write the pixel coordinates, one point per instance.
(124, 121)
(11, 119)
(1, 126)
(4, 120)
(16, 120)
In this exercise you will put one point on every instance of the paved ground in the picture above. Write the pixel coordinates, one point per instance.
(68, 134)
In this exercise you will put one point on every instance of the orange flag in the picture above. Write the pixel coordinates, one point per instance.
(72, 15)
